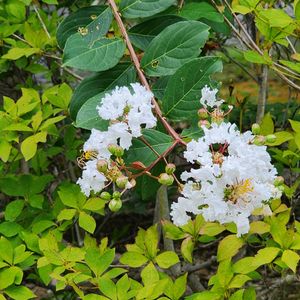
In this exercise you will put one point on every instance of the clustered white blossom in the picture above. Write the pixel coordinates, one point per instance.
(128, 110)
(232, 176)
(208, 97)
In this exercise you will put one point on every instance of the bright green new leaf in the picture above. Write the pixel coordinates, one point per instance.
(229, 247)
(238, 281)
(295, 125)
(173, 47)
(259, 227)
(20, 293)
(133, 9)
(29, 145)
(99, 55)
(5, 149)
(72, 196)
(6, 250)
(16, 53)
(7, 277)
(87, 222)
(187, 248)
(108, 288)
(149, 274)
(265, 256)
(244, 265)
(133, 259)
(255, 57)
(167, 259)
(291, 259)
(66, 214)
(267, 125)
(94, 204)
(181, 99)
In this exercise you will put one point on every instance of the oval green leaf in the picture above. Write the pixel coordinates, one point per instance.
(173, 47)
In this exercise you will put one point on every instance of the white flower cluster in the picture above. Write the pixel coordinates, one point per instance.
(208, 98)
(232, 178)
(128, 109)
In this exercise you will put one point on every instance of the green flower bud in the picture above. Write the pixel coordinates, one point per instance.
(170, 169)
(102, 165)
(112, 148)
(115, 205)
(105, 195)
(271, 138)
(255, 128)
(121, 182)
(259, 140)
(165, 179)
(281, 188)
(116, 195)
(119, 151)
(202, 113)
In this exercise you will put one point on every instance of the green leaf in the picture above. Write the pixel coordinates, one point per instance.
(250, 294)
(19, 293)
(167, 259)
(108, 288)
(172, 231)
(179, 286)
(122, 74)
(265, 256)
(87, 222)
(5, 149)
(238, 295)
(66, 214)
(159, 141)
(187, 248)
(292, 65)
(94, 204)
(99, 55)
(88, 116)
(244, 265)
(281, 137)
(238, 281)
(132, 9)
(143, 33)
(276, 17)
(16, 53)
(133, 259)
(71, 196)
(181, 99)
(259, 227)
(255, 57)
(291, 259)
(297, 9)
(206, 295)
(149, 274)
(229, 247)
(13, 210)
(295, 125)
(6, 250)
(173, 47)
(7, 277)
(199, 10)
(97, 262)
(10, 229)
(267, 125)
(87, 17)
(29, 145)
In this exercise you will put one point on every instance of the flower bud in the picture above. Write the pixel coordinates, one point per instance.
(102, 165)
(259, 140)
(255, 128)
(119, 151)
(121, 182)
(112, 148)
(132, 183)
(165, 179)
(116, 195)
(203, 123)
(115, 205)
(105, 195)
(170, 169)
(280, 188)
(279, 180)
(271, 138)
(202, 113)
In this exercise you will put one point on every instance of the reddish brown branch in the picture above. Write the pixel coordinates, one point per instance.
(141, 75)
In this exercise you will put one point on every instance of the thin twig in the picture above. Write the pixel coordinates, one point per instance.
(42, 22)
(141, 75)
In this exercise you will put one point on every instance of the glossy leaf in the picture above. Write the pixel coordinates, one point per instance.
(87, 17)
(92, 55)
(132, 9)
(181, 99)
(173, 47)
